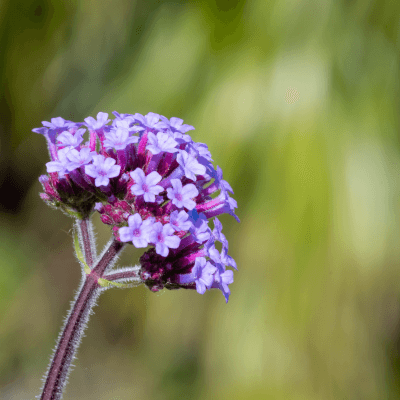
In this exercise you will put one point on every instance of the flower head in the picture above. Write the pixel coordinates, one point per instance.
(154, 186)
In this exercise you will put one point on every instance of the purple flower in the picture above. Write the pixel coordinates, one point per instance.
(230, 204)
(217, 232)
(175, 124)
(213, 253)
(227, 260)
(202, 274)
(119, 138)
(181, 138)
(102, 169)
(224, 185)
(59, 165)
(190, 165)
(55, 127)
(182, 196)
(202, 150)
(201, 231)
(95, 125)
(161, 142)
(162, 236)
(126, 123)
(222, 280)
(58, 123)
(146, 185)
(137, 232)
(80, 158)
(150, 121)
(66, 138)
(179, 221)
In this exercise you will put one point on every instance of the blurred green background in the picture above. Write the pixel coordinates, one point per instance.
(298, 102)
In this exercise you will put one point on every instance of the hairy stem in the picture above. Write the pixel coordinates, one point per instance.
(109, 255)
(69, 339)
(85, 232)
(77, 319)
(125, 275)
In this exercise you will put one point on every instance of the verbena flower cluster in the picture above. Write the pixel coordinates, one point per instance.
(154, 185)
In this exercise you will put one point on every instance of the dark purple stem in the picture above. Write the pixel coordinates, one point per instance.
(70, 339)
(85, 225)
(112, 251)
(125, 275)
(77, 320)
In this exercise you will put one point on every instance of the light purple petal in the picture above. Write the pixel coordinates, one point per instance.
(151, 119)
(153, 178)
(189, 191)
(93, 124)
(172, 242)
(91, 170)
(149, 197)
(138, 176)
(162, 249)
(190, 165)
(200, 286)
(125, 234)
(114, 171)
(101, 181)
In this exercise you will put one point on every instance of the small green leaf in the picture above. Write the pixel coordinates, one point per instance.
(79, 254)
(105, 283)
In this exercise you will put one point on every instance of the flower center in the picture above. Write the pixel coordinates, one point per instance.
(136, 232)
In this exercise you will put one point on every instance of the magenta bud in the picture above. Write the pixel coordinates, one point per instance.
(125, 206)
(108, 209)
(117, 218)
(106, 219)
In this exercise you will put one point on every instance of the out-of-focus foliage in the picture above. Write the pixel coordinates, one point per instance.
(299, 104)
